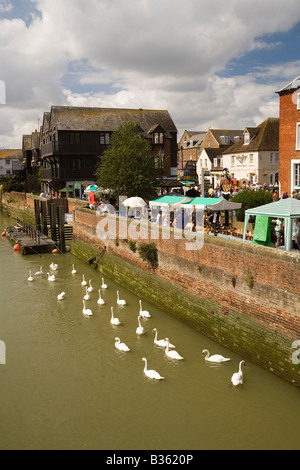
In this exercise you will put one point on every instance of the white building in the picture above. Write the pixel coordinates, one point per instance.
(10, 162)
(255, 157)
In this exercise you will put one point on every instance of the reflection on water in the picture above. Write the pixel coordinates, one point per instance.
(66, 386)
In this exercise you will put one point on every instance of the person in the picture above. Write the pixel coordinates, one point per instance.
(278, 230)
(181, 220)
(275, 195)
(159, 218)
(296, 235)
(285, 195)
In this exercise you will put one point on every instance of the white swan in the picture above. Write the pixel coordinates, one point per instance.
(114, 320)
(53, 266)
(83, 283)
(90, 288)
(161, 342)
(40, 272)
(87, 295)
(103, 285)
(237, 378)
(86, 311)
(143, 313)
(73, 270)
(216, 358)
(100, 301)
(172, 354)
(121, 346)
(61, 296)
(140, 329)
(152, 374)
(120, 301)
(51, 277)
(30, 278)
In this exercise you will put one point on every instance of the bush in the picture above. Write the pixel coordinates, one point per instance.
(250, 199)
(148, 253)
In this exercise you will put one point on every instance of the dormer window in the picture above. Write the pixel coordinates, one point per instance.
(158, 137)
(246, 137)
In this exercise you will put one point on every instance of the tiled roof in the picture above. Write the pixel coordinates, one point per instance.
(263, 137)
(294, 85)
(107, 119)
(11, 154)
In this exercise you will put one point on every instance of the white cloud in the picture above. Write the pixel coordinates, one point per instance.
(151, 54)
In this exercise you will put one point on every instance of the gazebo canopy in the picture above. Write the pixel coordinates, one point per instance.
(203, 201)
(224, 205)
(287, 209)
(168, 200)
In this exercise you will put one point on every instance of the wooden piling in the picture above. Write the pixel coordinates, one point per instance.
(61, 228)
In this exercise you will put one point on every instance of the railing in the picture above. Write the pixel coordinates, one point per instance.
(67, 174)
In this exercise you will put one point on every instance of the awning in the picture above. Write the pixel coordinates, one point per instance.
(224, 205)
(168, 201)
(202, 201)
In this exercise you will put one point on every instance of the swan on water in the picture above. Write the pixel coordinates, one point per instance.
(121, 346)
(73, 270)
(143, 313)
(53, 266)
(114, 320)
(161, 342)
(87, 295)
(40, 272)
(216, 358)
(86, 311)
(152, 374)
(90, 288)
(237, 378)
(83, 283)
(103, 285)
(30, 278)
(100, 301)
(172, 354)
(61, 296)
(140, 329)
(120, 301)
(51, 277)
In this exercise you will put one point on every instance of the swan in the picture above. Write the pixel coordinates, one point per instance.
(30, 278)
(83, 283)
(216, 358)
(73, 270)
(104, 286)
(121, 346)
(172, 354)
(120, 301)
(237, 378)
(86, 311)
(51, 277)
(100, 301)
(53, 266)
(152, 374)
(61, 296)
(87, 295)
(144, 313)
(140, 329)
(90, 288)
(161, 342)
(38, 273)
(113, 320)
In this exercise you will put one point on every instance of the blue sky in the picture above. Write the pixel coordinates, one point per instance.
(210, 63)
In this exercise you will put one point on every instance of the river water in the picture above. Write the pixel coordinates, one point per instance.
(64, 385)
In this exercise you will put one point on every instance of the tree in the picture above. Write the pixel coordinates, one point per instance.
(250, 199)
(127, 166)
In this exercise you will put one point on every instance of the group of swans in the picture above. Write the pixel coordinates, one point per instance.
(237, 377)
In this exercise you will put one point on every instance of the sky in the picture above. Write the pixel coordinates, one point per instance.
(210, 63)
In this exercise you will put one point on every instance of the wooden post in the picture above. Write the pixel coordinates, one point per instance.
(37, 213)
(53, 221)
(44, 226)
(61, 228)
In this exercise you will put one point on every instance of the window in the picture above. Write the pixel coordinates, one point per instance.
(246, 138)
(276, 158)
(271, 158)
(298, 101)
(251, 159)
(218, 161)
(232, 160)
(104, 138)
(158, 138)
(298, 136)
(295, 174)
(7, 162)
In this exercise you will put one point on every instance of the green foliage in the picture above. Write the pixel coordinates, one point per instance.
(249, 280)
(132, 245)
(148, 253)
(250, 199)
(127, 166)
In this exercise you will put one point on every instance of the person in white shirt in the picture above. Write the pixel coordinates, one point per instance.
(296, 235)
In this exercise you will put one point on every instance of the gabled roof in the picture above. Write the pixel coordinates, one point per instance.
(289, 207)
(294, 85)
(108, 119)
(12, 154)
(263, 137)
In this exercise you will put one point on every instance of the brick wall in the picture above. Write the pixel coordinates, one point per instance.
(245, 296)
